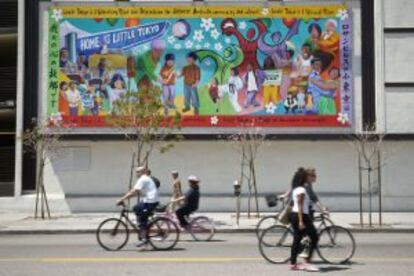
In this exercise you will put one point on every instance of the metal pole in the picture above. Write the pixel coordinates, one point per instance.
(361, 217)
(238, 210)
(369, 195)
(379, 189)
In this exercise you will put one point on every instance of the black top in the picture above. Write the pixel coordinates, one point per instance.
(313, 197)
(192, 198)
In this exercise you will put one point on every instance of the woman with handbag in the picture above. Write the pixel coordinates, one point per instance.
(301, 222)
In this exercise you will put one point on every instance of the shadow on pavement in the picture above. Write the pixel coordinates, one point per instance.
(327, 269)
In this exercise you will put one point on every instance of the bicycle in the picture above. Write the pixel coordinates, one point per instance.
(113, 234)
(274, 219)
(336, 244)
(201, 228)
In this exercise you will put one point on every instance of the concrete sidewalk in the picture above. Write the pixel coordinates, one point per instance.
(18, 223)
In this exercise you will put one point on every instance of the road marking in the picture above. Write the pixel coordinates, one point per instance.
(178, 259)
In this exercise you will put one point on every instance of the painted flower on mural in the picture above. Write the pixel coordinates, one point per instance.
(270, 108)
(57, 15)
(265, 11)
(218, 46)
(343, 118)
(214, 120)
(55, 119)
(207, 62)
(171, 39)
(206, 45)
(207, 24)
(242, 25)
(188, 44)
(215, 34)
(198, 35)
(198, 47)
(227, 40)
(177, 46)
(342, 13)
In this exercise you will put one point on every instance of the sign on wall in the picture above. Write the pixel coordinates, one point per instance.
(219, 66)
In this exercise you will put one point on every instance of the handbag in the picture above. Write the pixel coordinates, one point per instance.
(284, 216)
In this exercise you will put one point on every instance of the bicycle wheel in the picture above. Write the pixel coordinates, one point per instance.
(336, 245)
(275, 243)
(202, 228)
(162, 234)
(264, 223)
(112, 234)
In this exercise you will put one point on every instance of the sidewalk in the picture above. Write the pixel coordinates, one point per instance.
(17, 223)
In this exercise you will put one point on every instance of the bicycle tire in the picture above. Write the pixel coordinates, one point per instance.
(276, 241)
(110, 228)
(162, 234)
(333, 238)
(202, 228)
(259, 225)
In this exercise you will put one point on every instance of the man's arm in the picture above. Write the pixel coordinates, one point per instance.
(133, 192)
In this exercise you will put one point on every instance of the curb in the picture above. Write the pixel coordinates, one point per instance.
(222, 231)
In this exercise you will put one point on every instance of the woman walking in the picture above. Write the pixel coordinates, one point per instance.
(301, 222)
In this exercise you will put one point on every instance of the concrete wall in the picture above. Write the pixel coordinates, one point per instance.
(95, 188)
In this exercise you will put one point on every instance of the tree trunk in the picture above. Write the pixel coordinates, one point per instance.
(255, 188)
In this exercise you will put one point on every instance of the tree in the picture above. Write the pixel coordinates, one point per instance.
(371, 157)
(46, 145)
(248, 142)
(140, 117)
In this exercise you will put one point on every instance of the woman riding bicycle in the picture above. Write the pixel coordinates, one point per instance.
(301, 222)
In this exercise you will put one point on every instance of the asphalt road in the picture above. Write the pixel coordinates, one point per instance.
(228, 254)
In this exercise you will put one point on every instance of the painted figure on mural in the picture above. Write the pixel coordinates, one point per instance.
(146, 64)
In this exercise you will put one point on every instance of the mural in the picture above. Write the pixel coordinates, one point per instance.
(218, 66)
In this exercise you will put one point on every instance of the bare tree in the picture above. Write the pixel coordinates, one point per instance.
(140, 117)
(371, 157)
(47, 146)
(248, 142)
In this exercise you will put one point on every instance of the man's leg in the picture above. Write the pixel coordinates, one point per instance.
(195, 100)
(187, 97)
(181, 214)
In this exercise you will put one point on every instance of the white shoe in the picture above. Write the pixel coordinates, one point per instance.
(309, 267)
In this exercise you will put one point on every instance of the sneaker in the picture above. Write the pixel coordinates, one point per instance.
(294, 267)
(309, 267)
(141, 243)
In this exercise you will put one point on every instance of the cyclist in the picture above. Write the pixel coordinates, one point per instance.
(191, 200)
(310, 181)
(301, 222)
(147, 192)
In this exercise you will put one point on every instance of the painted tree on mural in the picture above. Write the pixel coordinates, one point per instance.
(248, 142)
(46, 146)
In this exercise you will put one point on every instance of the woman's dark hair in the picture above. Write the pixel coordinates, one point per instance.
(115, 78)
(299, 178)
(316, 26)
(268, 63)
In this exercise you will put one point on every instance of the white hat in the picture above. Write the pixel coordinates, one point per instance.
(193, 178)
(174, 172)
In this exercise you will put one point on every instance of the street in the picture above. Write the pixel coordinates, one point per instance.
(228, 254)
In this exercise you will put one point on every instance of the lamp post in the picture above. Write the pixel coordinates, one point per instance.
(237, 194)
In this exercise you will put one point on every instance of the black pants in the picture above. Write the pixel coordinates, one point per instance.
(143, 211)
(298, 235)
(182, 214)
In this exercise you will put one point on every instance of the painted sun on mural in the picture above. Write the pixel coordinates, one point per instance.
(270, 67)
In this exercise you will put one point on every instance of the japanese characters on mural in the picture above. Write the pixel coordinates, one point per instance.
(218, 66)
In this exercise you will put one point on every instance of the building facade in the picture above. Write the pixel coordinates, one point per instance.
(97, 168)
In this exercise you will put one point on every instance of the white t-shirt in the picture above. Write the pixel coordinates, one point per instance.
(299, 191)
(148, 190)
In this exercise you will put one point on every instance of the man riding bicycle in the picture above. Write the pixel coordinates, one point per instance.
(147, 192)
